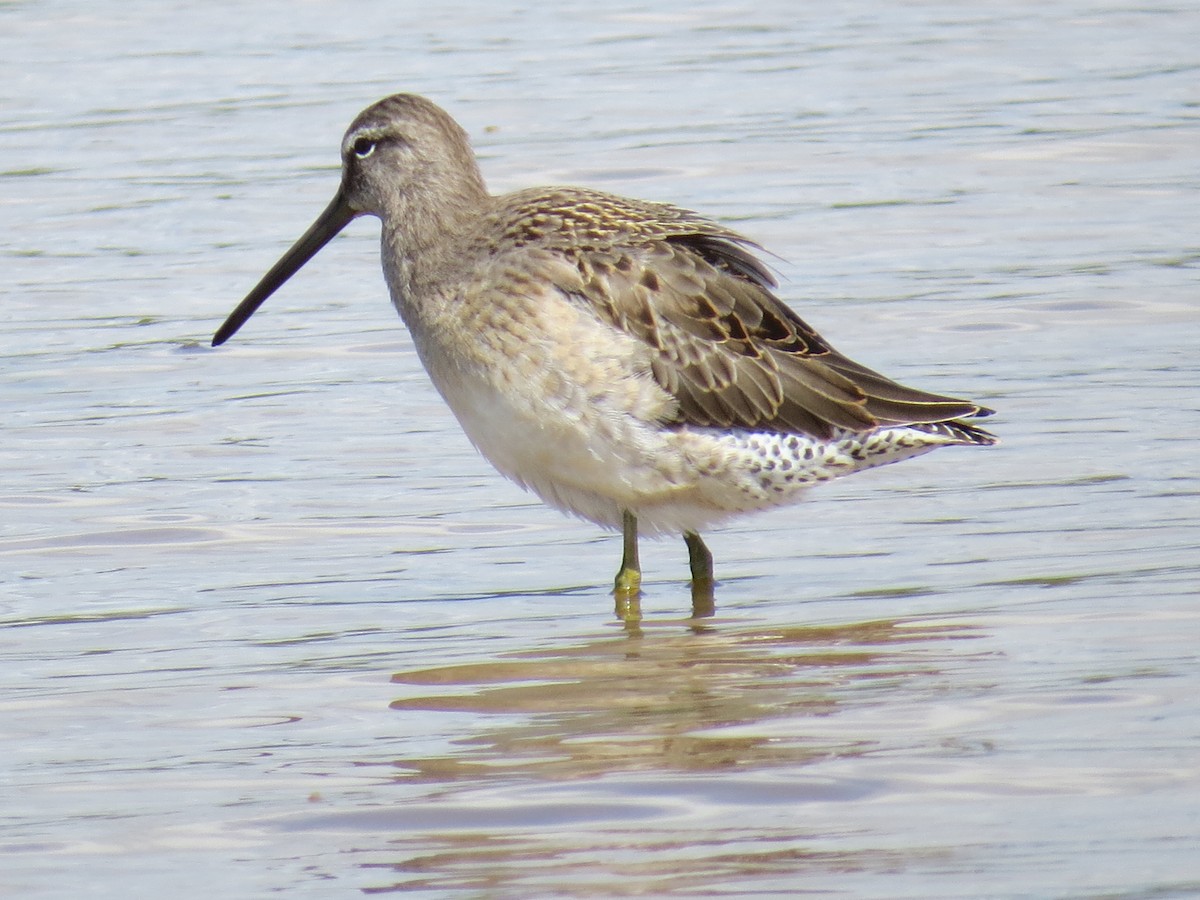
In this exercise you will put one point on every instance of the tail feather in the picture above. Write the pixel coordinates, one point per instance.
(959, 432)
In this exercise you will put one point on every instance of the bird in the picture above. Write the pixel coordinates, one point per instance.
(627, 361)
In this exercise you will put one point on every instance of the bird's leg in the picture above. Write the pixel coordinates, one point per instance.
(700, 560)
(628, 587)
(629, 578)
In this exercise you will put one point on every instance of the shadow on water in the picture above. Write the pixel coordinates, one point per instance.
(648, 762)
(665, 701)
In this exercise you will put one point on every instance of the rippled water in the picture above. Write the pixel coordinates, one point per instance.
(270, 626)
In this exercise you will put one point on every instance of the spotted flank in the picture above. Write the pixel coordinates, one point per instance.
(774, 467)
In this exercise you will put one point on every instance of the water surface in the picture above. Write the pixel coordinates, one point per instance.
(270, 626)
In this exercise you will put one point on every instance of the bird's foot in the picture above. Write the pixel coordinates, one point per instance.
(627, 591)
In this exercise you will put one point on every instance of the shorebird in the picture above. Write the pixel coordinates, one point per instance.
(626, 361)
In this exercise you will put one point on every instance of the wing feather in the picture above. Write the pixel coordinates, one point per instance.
(718, 340)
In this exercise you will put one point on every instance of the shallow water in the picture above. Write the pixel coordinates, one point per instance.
(271, 626)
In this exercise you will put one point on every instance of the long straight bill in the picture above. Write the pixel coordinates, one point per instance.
(337, 215)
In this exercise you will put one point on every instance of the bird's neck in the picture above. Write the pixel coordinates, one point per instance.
(424, 243)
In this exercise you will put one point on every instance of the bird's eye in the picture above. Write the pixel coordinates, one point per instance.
(364, 147)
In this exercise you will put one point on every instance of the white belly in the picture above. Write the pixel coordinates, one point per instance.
(594, 462)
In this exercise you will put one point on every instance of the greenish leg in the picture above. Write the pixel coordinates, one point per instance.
(629, 611)
(628, 587)
(700, 560)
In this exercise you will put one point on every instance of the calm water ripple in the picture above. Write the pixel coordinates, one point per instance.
(268, 625)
